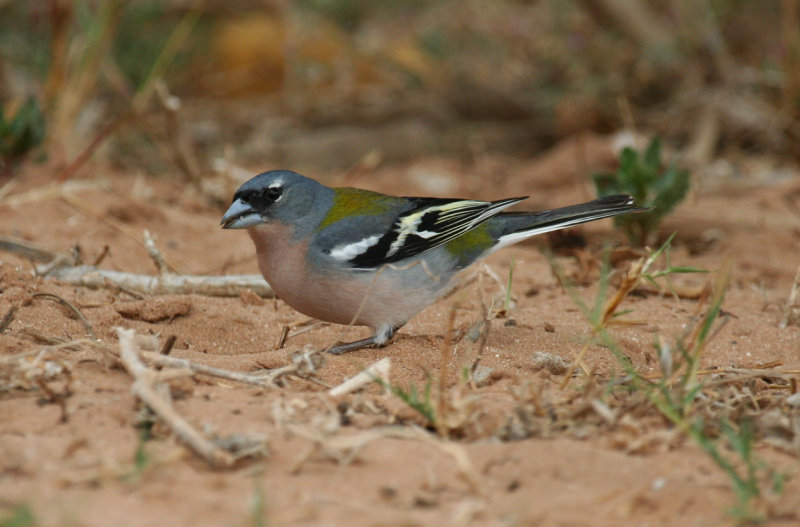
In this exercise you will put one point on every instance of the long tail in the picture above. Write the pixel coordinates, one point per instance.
(521, 225)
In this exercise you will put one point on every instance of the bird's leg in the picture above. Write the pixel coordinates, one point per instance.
(338, 349)
(378, 340)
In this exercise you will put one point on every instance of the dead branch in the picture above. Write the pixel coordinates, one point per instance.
(155, 254)
(145, 388)
(63, 269)
(194, 368)
(304, 364)
(168, 284)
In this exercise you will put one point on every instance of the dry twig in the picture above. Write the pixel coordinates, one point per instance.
(155, 254)
(169, 284)
(8, 318)
(304, 365)
(282, 339)
(145, 387)
(379, 370)
(192, 368)
(62, 268)
(72, 307)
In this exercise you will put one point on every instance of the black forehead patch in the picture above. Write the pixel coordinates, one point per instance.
(258, 198)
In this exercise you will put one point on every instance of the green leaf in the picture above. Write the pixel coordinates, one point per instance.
(652, 157)
(642, 177)
(686, 270)
(628, 160)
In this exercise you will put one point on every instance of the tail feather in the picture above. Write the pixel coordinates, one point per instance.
(521, 225)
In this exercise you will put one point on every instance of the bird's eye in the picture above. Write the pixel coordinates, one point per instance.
(273, 193)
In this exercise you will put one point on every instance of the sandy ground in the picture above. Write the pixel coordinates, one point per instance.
(525, 451)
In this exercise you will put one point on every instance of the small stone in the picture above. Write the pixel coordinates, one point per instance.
(552, 363)
(155, 309)
(476, 330)
(482, 375)
(658, 483)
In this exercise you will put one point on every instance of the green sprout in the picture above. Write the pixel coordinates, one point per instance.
(421, 403)
(642, 177)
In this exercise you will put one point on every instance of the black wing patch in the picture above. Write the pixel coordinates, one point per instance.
(430, 223)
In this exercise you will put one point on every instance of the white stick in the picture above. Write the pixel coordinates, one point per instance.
(155, 254)
(379, 370)
(167, 284)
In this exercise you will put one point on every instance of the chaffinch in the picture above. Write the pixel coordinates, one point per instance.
(352, 256)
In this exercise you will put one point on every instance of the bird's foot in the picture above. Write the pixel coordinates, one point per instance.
(376, 341)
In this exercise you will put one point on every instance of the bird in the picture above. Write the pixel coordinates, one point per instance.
(357, 257)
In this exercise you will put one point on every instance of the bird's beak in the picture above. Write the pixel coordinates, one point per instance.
(240, 215)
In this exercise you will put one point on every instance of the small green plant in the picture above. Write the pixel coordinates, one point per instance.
(747, 480)
(258, 501)
(141, 457)
(423, 404)
(642, 177)
(20, 134)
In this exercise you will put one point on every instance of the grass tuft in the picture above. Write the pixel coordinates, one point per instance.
(421, 403)
(675, 393)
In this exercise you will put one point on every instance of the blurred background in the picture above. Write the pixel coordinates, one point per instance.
(181, 88)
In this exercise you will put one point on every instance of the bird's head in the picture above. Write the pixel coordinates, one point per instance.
(275, 195)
